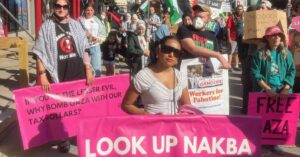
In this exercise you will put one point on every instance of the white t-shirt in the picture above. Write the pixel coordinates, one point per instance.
(156, 97)
(92, 26)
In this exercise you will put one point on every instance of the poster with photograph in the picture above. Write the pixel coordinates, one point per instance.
(207, 85)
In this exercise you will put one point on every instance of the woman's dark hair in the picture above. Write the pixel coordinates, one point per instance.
(89, 5)
(185, 15)
(295, 5)
(157, 46)
(55, 1)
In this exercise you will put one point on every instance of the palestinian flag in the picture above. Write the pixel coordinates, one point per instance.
(175, 16)
(145, 6)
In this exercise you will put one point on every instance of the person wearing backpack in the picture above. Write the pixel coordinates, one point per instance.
(235, 28)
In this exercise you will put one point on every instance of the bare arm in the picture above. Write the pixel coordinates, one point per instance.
(41, 72)
(88, 69)
(189, 45)
(129, 100)
(267, 88)
(185, 98)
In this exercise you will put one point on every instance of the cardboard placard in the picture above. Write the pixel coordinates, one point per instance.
(256, 22)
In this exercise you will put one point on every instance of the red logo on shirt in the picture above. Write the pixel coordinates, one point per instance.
(66, 45)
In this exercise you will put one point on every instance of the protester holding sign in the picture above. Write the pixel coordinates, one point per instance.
(273, 69)
(162, 88)
(61, 49)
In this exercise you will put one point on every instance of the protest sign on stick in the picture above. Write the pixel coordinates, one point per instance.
(45, 117)
(169, 136)
(279, 117)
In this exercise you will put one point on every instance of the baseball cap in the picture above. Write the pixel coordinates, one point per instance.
(202, 7)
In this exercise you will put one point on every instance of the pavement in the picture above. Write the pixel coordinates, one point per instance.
(10, 141)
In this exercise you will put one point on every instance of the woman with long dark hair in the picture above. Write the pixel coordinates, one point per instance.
(162, 87)
(96, 33)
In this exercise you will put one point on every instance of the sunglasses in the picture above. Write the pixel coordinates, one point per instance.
(58, 6)
(169, 49)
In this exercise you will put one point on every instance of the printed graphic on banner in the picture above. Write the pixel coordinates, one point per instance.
(207, 85)
(45, 117)
(178, 136)
(279, 117)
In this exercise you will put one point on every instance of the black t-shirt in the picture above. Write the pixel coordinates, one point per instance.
(201, 38)
(109, 51)
(70, 64)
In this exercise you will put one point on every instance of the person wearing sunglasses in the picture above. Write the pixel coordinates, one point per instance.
(61, 49)
(161, 87)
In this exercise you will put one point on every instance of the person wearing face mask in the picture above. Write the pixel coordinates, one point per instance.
(196, 41)
(105, 22)
(138, 49)
(201, 37)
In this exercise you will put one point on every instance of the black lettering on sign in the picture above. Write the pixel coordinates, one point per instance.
(276, 126)
(269, 105)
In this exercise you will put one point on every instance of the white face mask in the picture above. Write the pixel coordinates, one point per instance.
(198, 23)
(102, 17)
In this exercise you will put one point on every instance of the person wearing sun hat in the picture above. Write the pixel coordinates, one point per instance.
(273, 69)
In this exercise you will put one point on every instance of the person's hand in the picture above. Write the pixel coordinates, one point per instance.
(146, 53)
(89, 76)
(230, 41)
(272, 94)
(284, 92)
(223, 61)
(45, 83)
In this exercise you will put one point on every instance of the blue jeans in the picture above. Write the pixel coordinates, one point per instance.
(96, 61)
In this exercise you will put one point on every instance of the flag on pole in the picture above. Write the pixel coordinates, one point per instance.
(175, 16)
(145, 6)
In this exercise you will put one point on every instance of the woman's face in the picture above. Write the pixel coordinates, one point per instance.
(274, 40)
(89, 12)
(169, 53)
(187, 21)
(112, 39)
(61, 8)
(141, 30)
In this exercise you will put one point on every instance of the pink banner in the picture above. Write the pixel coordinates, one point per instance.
(45, 117)
(169, 136)
(279, 117)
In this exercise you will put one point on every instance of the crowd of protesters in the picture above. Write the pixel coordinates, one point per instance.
(69, 49)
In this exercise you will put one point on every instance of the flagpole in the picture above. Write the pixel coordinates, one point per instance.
(148, 33)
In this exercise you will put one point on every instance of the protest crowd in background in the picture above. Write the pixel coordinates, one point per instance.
(159, 43)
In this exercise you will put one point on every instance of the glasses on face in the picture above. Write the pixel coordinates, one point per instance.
(58, 7)
(169, 49)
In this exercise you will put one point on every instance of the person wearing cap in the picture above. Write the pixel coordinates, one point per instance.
(235, 32)
(196, 41)
(138, 49)
(273, 70)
